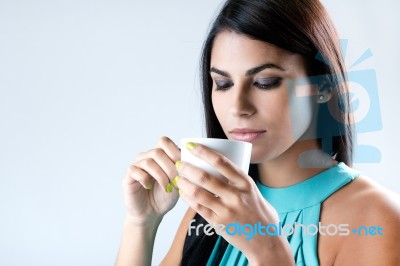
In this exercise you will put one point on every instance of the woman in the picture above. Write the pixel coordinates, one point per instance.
(272, 75)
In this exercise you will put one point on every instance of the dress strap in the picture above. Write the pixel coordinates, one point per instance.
(308, 192)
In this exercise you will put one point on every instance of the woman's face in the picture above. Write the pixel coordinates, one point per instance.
(255, 96)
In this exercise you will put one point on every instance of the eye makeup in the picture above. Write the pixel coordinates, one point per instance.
(261, 83)
(267, 83)
(222, 85)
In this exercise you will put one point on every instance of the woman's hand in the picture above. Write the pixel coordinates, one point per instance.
(147, 186)
(238, 201)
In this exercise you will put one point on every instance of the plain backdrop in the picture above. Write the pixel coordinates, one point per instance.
(86, 85)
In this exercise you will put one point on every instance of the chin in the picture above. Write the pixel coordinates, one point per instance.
(262, 156)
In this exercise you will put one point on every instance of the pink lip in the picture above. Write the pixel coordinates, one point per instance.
(246, 134)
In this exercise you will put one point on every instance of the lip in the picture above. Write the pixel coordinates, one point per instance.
(246, 134)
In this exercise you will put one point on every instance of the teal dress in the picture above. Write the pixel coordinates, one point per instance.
(301, 204)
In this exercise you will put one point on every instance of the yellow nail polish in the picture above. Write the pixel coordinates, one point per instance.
(190, 146)
(175, 181)
(149, 185)
(177, 164)
(169, 188)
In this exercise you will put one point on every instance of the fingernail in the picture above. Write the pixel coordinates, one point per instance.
(149, 185)
(169, 188)
(190, 146)
(180, 191)
(175, 181)
(177, 164)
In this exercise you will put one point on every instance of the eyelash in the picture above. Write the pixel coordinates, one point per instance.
(276, 82)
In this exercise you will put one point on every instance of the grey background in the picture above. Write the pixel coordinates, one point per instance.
(86, 85)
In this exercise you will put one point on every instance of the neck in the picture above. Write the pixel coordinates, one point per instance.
(301, 161)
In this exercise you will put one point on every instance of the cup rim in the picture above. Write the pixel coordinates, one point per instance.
(217, 139)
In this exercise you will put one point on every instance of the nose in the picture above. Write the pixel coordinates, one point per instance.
(241, 103)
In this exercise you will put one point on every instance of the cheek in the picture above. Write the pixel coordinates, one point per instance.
(219, 108)
(301, 111)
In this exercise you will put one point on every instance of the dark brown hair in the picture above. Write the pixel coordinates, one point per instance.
(299, 26)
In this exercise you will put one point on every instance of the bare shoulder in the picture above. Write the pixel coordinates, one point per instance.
(372, 214)
(174, 255)
(364, 199)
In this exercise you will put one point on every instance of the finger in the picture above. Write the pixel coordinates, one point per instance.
(222, 164)
(203, 179)
(198, 194)
(164, 161)
(136, 174)
(170, 148)
(195, 202)
(151, 167)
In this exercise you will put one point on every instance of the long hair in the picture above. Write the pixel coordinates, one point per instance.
(300, 26)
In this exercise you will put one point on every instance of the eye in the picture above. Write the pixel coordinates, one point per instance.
(268, 83)
(222, 85)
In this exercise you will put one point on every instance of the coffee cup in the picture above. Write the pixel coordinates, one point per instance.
(239, 152)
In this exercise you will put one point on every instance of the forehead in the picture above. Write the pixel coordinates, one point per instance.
(237, 51)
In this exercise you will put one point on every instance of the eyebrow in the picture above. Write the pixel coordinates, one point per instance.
(249, 72)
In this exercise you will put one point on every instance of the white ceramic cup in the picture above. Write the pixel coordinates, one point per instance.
(239, 152)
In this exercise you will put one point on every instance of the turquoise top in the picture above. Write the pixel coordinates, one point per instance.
(299, 203)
